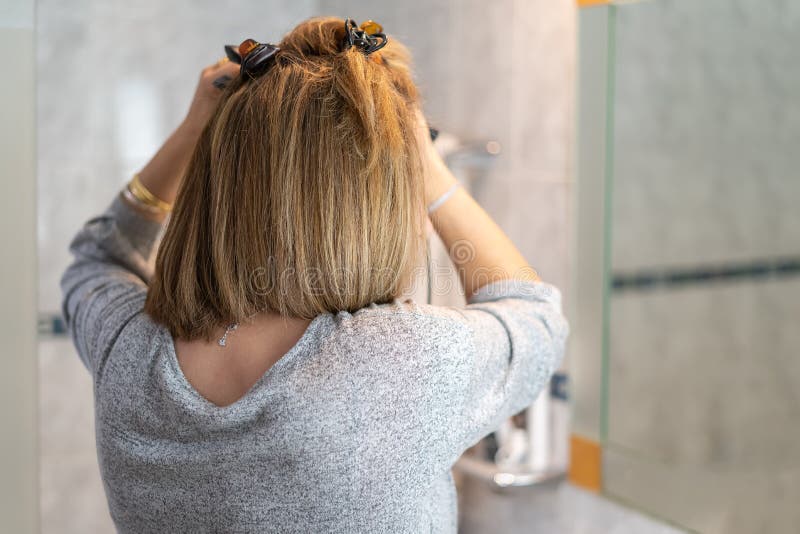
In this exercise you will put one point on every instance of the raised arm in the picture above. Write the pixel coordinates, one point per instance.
(162, 174)
(106, 283)
(513, 321)
(480, 250)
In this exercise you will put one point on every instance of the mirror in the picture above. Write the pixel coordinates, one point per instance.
(116, 78)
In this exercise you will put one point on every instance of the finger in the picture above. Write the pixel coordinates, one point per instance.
(223, 75)
(220, 75)
(219, 65)
(228, 68)
(221, 82)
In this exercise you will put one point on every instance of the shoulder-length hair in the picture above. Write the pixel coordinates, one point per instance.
(303, 194)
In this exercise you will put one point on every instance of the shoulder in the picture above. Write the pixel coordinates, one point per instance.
(412, 318)
(400, 350)
(405, 328)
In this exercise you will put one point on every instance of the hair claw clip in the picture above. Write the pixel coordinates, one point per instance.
(233, 54)
(254, 57)
(369, 37)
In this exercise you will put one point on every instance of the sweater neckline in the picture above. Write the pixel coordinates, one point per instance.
(257, 391)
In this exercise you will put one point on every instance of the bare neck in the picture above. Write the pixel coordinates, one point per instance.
(224, 374)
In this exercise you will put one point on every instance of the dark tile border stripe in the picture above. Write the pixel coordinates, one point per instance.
(51, 324)
(649, 279)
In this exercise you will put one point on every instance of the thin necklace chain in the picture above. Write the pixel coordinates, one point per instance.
(231, 327)
(224, 339)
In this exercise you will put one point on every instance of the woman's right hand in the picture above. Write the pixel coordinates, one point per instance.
(438, 178)
(480, 250)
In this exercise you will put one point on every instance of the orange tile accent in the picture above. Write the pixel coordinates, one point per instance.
(587, 3)
(585, 467)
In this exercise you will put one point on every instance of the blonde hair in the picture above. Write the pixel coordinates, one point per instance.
(303, 194)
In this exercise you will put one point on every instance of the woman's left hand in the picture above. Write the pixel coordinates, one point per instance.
(163, 173)
(213, 80)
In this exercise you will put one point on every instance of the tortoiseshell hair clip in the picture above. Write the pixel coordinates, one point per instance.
(369, 37)
(255, 58)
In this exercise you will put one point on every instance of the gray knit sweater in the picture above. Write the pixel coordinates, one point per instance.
(354, 430)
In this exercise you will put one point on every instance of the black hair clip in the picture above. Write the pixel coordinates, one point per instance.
(369, 37)
(255, 58)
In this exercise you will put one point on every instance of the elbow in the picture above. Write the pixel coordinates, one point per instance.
(66, 291)
(69, 284)
(541, 355)
(558, 331)
(549, 344)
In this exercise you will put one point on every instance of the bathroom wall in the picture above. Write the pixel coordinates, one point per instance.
(116, 77)
(703, 410)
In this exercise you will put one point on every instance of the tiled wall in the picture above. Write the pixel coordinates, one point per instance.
(704, 412)
(116, 77)
(706, 122)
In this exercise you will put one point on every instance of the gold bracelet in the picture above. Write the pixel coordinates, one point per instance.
(139, 204)
(143, 195)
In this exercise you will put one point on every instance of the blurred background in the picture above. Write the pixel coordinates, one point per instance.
(689, 111)
(638, 153)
